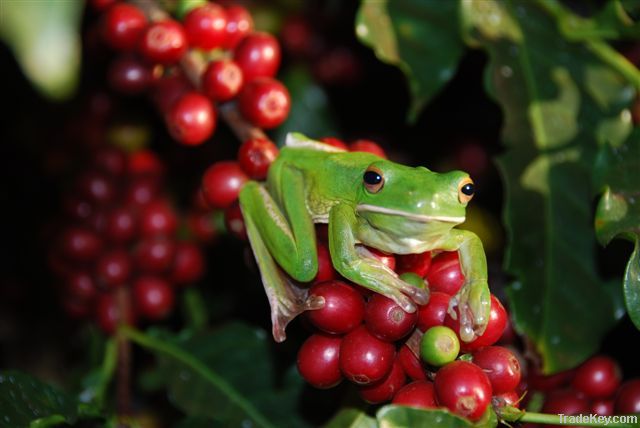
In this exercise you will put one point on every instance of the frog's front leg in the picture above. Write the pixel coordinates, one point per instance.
(284, 233)
(366, 271)
(473, 301)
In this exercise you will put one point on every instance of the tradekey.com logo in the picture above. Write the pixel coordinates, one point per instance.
(598, 419)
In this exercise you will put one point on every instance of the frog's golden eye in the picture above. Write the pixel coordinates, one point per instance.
(465, 190)
(373, 179)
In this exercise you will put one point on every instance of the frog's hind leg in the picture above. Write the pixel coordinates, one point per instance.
(262, 216)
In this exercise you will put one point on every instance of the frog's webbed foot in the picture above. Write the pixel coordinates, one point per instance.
(287, 302)
(386, 282)
(473, 304)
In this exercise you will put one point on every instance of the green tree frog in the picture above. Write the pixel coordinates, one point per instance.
(367, 201)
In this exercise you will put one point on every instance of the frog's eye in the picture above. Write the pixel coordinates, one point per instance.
(373, 179)
(465, 190)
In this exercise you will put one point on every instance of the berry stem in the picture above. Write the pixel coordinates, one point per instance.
(193, 66)
(123, 379)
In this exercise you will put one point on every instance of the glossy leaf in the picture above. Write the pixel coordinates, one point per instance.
(224, 375)
(557, 103)
(26, 401)
(618, 211)
(392, 416)
(352, 418)
(400, 416)
(44, 37)
(418, 36)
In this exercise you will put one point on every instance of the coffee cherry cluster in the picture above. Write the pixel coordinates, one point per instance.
(371, 341)
(595, 387)
(118, 257)
(242, 69)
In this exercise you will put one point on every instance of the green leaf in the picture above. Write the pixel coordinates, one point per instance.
(44, 37)
(225, 375)
(400, 416)
(559, 100)
(309, 107)
(419, 36)
(352, 418)
(618, 211)
(611, 22)
(26, 401)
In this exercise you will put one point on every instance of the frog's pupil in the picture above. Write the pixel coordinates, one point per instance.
(467, 189)
(372, 178)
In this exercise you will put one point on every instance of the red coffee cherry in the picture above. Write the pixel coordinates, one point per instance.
(164, 42)
(343, 308)
(464, 389)
(386, 320)
(80, 244)
(265, 102)
(192, 119)
(239, 25)
(326, 272)
(109, 315)
(167, 90)
(222, 182)
(222, 80)
(153, 297)
(319, 361)
(598, 377)
(121, 225)
(500, 365)
(256, 156)
(203, 226)
(122, 26)
(367, 146)
(565, 401)
(411, 364)
(110, 160)
(80, 286)
(141, 191)
(188, 266)
(603, 407)
(258, 55)
(365, 359)
(129, 76)
(145, 164)
(444, 274)
(416, 263)
(384, 389)
(234, 221)
(98, 188)
(510, 398)
(155, 255)
(113, 268)
(419, 394)
(434, 312)
(206, 26)
(158, 218)
(628, 399)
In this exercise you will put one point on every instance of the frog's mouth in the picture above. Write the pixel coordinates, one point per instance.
(421, 218)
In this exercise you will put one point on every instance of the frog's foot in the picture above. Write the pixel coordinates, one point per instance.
(473, 304)
(288, 305)
(389, 284)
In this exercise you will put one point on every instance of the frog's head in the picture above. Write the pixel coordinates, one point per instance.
(411, 202)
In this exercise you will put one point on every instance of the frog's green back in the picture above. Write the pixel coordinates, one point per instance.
(331, 175)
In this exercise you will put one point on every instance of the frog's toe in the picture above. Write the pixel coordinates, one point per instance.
(418, 295)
